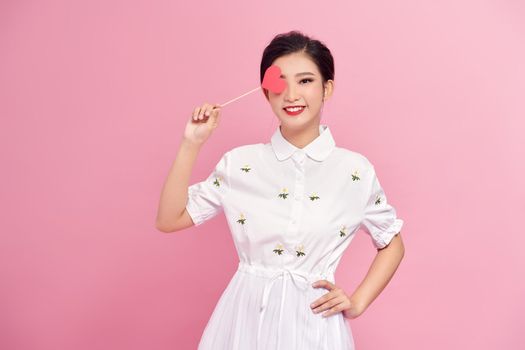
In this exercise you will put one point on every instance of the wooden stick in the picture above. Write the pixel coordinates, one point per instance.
(236, 98)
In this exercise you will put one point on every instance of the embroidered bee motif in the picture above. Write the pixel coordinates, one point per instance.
(314, 197)
(378, 200)
(284, 193)
(342, 231)
(217, 181)
(355, 175)
(300, 250)
(278, 249)
(242, 219)
(246, 168)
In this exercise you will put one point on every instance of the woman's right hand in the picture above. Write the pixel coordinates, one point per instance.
(204, 120)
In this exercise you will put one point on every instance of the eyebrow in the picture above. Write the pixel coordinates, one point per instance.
(299, 74)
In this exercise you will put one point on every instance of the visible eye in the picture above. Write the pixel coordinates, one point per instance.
(307, 79)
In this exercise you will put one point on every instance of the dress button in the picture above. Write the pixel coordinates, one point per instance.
(299, 156)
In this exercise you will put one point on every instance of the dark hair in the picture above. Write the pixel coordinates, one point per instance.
(295, 41)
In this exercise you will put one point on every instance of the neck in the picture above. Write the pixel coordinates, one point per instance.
(301, 137)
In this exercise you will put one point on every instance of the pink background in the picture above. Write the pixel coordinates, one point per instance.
(94, 97)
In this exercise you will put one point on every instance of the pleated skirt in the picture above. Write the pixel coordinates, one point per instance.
(257, 312)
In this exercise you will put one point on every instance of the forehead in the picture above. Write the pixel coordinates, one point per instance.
(294, 63)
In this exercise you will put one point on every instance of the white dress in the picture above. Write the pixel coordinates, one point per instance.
(292, 213)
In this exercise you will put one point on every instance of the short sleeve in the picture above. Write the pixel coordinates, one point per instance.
(380, 220)
(206, 198)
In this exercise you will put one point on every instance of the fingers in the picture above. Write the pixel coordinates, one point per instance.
(196, 113)
(325, 284)
(334, 306)
(205, 111)
(334, 301)
(322, 300)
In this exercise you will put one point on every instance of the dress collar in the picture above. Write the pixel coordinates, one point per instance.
(319, 149)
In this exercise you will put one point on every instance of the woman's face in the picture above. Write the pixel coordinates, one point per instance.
(304, 87)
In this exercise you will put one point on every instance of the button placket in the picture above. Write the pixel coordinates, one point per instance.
(298, 158)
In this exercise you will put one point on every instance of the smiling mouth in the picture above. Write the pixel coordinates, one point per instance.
(294, 109)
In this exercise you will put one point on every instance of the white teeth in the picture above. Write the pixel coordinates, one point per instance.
(294, 109)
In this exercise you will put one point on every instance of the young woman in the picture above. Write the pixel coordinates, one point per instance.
(293, 206)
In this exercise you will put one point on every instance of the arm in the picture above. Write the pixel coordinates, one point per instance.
(172, 215)
(381, 223)
(383, 267)
(381, 271)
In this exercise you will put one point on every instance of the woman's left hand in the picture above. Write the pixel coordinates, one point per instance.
(335, 301)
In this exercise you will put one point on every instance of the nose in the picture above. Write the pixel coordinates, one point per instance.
(290, 93)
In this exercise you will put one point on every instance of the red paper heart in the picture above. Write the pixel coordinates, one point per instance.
(272, 79)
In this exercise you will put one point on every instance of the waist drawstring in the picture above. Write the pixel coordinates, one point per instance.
(281, 273)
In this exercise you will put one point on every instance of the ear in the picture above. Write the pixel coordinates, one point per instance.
(328, 89)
